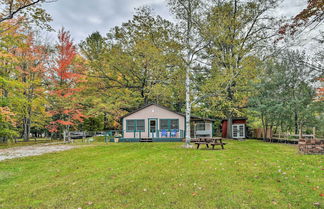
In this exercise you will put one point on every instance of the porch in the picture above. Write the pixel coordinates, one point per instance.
(164, 135)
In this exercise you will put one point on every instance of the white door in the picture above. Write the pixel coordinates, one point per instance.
(152, 127)
(238, 131)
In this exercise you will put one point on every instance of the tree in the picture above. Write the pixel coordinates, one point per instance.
(285, 94)
(188, 13)
(133, 65)
(32, 59)
(312, 15)
(66, 110)
(10, 87)
(7, 124)
(13, 8)
(238, 34)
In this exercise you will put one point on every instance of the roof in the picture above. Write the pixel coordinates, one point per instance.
(182, 114)
(238, 118)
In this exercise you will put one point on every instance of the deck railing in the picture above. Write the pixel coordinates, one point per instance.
(136, 134)
(167, 133)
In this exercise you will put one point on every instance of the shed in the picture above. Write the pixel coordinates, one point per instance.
(238, 128)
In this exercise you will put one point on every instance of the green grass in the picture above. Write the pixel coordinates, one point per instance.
(249, 174)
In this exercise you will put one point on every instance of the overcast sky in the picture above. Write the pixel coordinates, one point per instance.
(82, 17)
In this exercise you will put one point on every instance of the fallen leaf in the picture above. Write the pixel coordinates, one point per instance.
(194, 193)
(322, 194)
(89, 203)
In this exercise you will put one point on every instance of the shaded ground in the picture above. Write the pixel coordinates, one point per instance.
(25, 151)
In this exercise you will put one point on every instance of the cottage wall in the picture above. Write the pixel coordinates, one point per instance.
(152, 111)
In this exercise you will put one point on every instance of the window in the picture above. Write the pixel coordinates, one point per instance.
(174, 124)
(135, 125)
(164, 124)
(200, 127)
(130, 125)
(169, 124)
(238, 131)
(140, 125)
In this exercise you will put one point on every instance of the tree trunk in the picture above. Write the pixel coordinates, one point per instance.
(188, 106)
(105, 121)
(300, 132)
(296, 123)
(188, 68)
(69, 135)
(64, 135)
(270, 132)
(25, 137)
(28, 128)
(264, 127)
(229, 127)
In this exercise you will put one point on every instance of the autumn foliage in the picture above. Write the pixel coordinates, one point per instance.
(312, 14)
(64, 78)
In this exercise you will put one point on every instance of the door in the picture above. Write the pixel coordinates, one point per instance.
(238, 131)
(152, 127)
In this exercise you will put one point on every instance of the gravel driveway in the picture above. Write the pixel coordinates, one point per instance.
(25, 151)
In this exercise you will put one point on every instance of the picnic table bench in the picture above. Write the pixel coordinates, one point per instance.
(210, 141)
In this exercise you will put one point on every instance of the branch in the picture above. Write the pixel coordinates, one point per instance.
(13, 12)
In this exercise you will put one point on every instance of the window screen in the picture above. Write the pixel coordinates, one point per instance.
(174, 124)
(135, 125)
(164, 124)
(130, 125)
(140, 125)
(167, 124)
(200, 127)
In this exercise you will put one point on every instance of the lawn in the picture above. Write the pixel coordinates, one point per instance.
(249, 174)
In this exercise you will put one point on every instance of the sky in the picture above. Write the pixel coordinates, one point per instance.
(83, 17)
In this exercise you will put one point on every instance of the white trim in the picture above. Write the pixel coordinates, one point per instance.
(238, 131)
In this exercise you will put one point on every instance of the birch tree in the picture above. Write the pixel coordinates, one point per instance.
(188, 13)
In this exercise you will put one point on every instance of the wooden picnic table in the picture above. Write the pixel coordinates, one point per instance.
(210, 141)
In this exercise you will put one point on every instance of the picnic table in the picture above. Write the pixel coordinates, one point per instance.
(210, 141)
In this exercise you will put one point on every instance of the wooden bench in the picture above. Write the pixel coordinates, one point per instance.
(210, 141)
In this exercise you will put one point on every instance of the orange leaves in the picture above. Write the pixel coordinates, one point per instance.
(64, 78)
(311, 14)
(66, 55)
(65, 123)
(7, 115)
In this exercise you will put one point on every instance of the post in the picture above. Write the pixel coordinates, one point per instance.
(314, 130)
(300, 133)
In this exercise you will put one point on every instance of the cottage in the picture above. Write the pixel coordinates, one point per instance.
(157, 123)
(238, 128)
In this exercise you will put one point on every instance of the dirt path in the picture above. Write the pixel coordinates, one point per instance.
(25, 151)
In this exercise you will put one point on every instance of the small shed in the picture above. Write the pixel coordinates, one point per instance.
(239, 129)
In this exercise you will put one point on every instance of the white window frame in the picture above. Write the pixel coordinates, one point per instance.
(239, 135)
